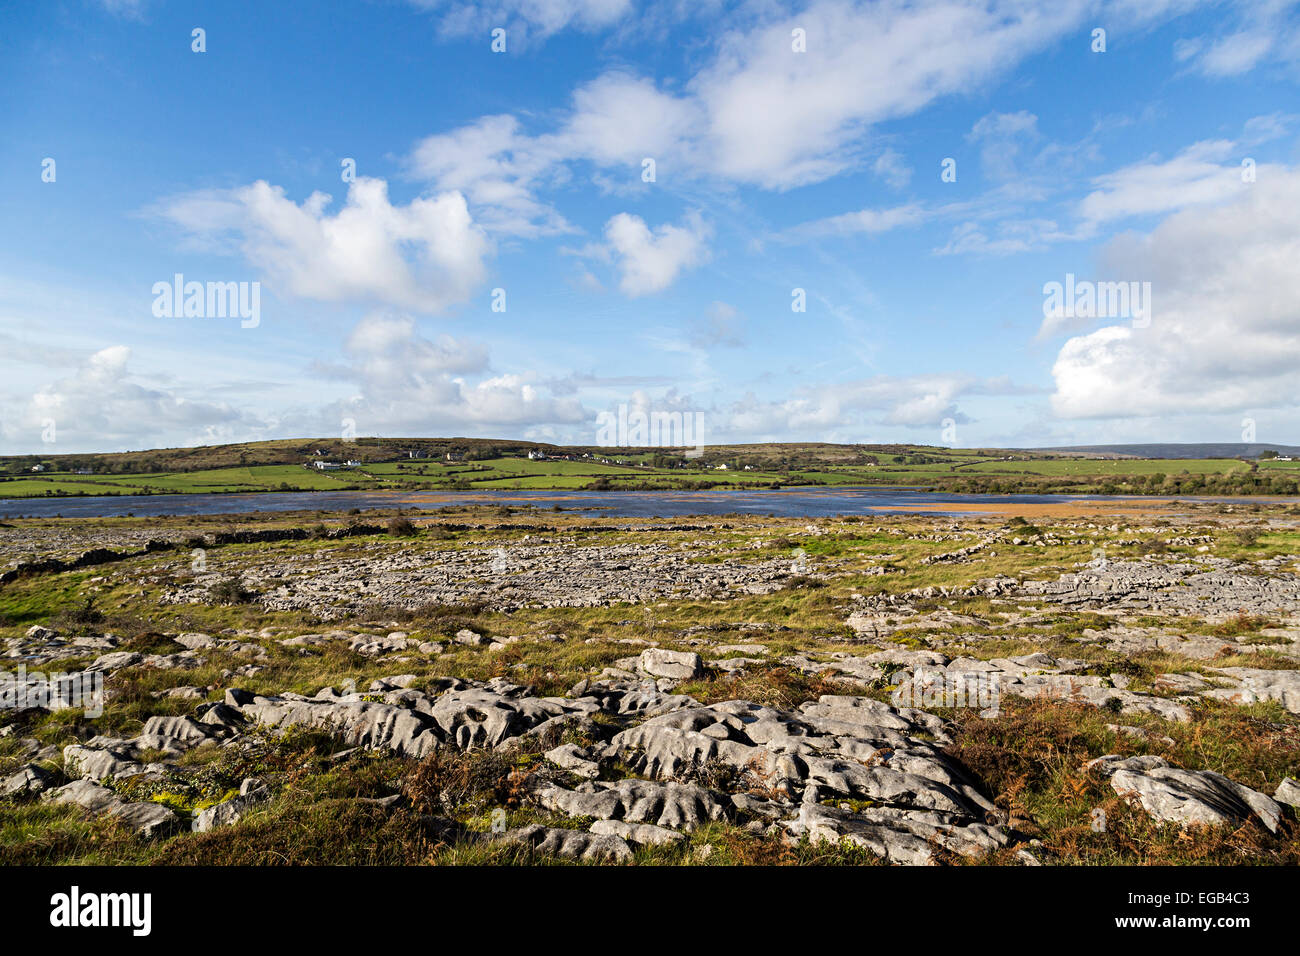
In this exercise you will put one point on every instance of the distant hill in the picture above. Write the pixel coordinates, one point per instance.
(772, 455)
(1174, 450)
(372, 449)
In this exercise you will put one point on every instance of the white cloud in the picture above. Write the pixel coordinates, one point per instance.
(893, 169)
(1010, 236)
(102, 405)
(498, 167)
(620, 118)
(1001, 137)
(1262, 129)
(722, 325)
(780, 119)
(128, 9)
(408, 384)
(525, 20)
(758, 113)
(387, 349)
(617, 120)
(1224, 334)
(1196, 175)
(1265, 31)
(862, 220)
(424, 256)
(649, 261)
(883, 401)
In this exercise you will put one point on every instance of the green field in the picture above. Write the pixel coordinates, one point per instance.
(226, 480)
(747, 466)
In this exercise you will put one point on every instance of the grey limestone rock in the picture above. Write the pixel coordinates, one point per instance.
(1170, 793)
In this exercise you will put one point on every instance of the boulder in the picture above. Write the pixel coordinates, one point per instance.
(675, 665)
(644, 834)
(574, 759)
(571, 844)
(676, 806)
(1187, 797)
(251, 792)
(148, 819)
(30, 779)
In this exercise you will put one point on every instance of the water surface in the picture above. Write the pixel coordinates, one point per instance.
(785, 503)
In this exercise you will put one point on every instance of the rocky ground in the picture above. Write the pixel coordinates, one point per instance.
(543, 573)
(893, 690)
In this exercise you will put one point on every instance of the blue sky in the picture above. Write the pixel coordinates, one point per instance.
(1168, 160)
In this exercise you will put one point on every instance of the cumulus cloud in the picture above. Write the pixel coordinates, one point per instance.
(388, 350)
(407, 383)
(101, 404)
(498, 167)
(1224, 333)
(424, 256)
(918, 401)
(616, 120)
(650, 260)
(620, 118)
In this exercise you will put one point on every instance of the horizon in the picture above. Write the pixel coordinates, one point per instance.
(950, 224)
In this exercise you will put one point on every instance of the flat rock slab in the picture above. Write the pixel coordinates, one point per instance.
(1187, 797)
(1255, 684)
(897, 836)
(836, 747)
(148, 819)
(571, 844)
(30, 779)
(965, 682)
(1171, 587)
(551, 575)
(675, 806)
(675, 665)
(643, 834)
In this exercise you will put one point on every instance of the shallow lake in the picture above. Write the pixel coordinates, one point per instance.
(788, 503)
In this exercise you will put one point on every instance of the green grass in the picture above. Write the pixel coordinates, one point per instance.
(218, 480)
(805, 464)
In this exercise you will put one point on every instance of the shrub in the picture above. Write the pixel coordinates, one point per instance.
(402, 528)
(230, 590)
(86, 615)
(1248, 537)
